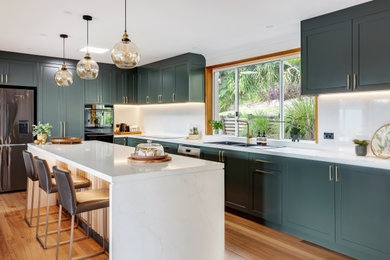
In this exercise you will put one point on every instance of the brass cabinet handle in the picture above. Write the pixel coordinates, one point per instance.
(219, 156)
(64, 123)
(147, 99)
(127, 100)
(6, 78)
(337, 174)
(262, 161)
(223, 160)
(173, 97)
(262, 171)
(354, 81)
(61, 129)
(348, 82)
(330, 172)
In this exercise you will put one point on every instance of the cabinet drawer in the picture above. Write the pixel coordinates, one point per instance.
(266, 162)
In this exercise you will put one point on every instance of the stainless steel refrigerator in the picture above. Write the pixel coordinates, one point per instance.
(17, 111)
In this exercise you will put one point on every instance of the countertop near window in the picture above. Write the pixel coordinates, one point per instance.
(292, 152)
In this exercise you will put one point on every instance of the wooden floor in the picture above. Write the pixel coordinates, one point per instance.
(244, 239)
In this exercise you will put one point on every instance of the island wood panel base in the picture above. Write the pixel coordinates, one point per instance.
(96, 216)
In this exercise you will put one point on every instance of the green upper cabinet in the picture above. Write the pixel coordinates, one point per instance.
(308, 199)
(177, 79)
(61, 106)
(125, 87)
(363, 210)
(101, 90)
(143, 86)
(18, 73)
(347, 50)
(371, 52)
(327, 59)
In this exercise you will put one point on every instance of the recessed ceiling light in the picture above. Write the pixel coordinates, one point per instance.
(94, 50)
(248, 72)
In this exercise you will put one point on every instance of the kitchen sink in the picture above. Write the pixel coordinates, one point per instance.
(226, 143)
(255, 146)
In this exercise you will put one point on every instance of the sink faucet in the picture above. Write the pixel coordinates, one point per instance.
(248, 137)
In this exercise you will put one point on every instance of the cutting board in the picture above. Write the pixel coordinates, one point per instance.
(128, 133)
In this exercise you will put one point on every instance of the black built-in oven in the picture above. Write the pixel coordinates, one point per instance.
(99, 123)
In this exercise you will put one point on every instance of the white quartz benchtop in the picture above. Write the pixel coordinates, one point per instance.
(293, 152)
(110, 161)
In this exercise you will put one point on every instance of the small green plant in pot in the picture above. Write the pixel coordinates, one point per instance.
(296, 125)
(42, 131)
(217, 126)
(360, 147)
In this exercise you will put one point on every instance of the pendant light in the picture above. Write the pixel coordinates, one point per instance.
(87, 68)
(63, 76)
(125, 54)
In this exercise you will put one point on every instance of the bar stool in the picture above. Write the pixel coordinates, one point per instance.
(49, 185)
(32, 175)
(79, 202)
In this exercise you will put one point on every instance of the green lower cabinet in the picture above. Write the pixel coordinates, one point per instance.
(169, 147)
(120, 140)
(309, 199)
(236, 179)
(210, 154)
(133, 142)
(266, 194)
(363, 210)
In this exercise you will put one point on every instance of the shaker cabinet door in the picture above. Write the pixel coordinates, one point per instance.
(327, 59)
(371, 52)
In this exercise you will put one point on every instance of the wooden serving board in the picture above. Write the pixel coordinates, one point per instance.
(167, 159)
(66, 140)
(128, 133)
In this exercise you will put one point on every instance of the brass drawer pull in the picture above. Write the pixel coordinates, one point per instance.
(348, 82)
(262, 161)
(223, 160)
(261, 171)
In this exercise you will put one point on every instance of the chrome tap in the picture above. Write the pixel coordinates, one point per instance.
(248, 137)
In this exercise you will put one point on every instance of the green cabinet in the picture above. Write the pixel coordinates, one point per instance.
(177, 79)
(363, 210)
(18, 73)
(133, 142)
(346, 50)
(265, 187)
(125, 87)
(120, 140)
(169, 147)
(101, 90)
(210, 154)
(309, 199)
(370, 51)
(236, 179)
(62, 107)
(327, 59)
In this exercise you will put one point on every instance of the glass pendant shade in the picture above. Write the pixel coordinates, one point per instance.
(87, 68)
(125, 54)
(63, 77)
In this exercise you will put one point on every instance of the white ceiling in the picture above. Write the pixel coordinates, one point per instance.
(221, 30)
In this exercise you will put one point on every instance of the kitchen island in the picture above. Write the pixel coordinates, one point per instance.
(171, 210)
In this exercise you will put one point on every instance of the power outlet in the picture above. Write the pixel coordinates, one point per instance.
(329, 136)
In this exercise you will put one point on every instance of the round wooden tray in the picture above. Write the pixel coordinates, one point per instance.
(151, 159)
(66, 140)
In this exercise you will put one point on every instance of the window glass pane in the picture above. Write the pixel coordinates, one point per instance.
(299, 111)
(225, 90)
(259, 98)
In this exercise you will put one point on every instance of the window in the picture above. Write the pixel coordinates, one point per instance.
(267, 97)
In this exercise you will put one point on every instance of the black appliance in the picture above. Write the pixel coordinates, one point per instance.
(17, 115)
(99, 123)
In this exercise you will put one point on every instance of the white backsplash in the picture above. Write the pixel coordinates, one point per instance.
(164, 119)
(350, 116)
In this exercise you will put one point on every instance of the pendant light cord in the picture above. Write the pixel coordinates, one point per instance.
(87, 37)
(125, 16)
(63, 50)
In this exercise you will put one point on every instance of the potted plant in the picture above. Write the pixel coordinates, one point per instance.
(360, 147)
(42, 131)
(296, 127)
(217, 126)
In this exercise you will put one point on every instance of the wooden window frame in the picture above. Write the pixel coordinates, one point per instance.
(209, 82)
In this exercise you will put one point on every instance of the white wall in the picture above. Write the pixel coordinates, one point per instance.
(163, 119)
(350, 116)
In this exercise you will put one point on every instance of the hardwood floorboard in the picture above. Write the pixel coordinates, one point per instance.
(244, 239)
